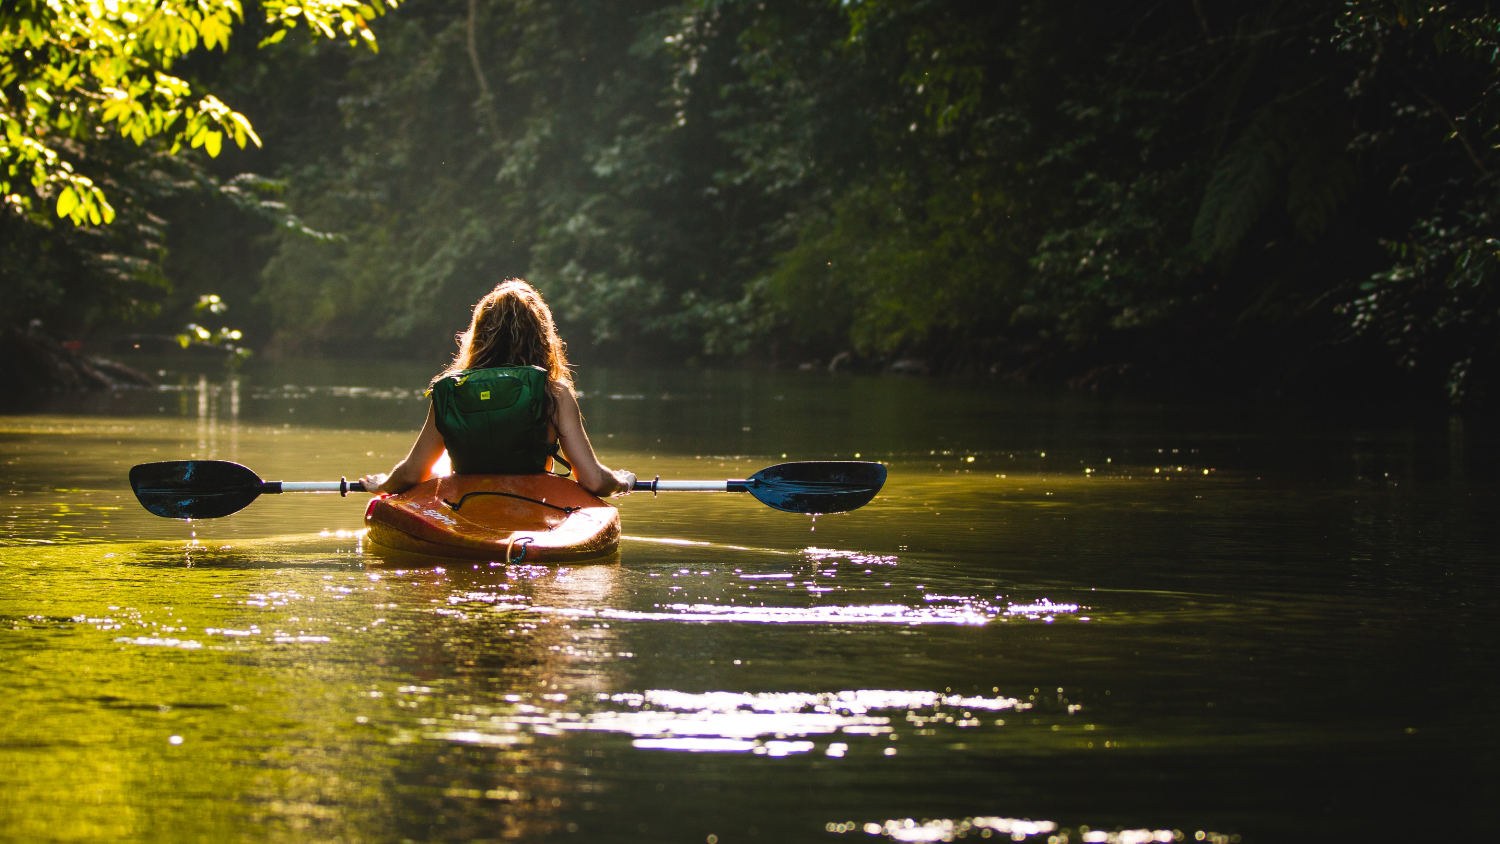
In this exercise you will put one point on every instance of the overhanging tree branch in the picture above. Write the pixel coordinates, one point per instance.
(486, 99)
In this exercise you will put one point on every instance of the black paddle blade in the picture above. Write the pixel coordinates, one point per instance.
(194, 489)
(817, 487)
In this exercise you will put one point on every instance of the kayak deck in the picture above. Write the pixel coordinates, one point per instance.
(505, 518)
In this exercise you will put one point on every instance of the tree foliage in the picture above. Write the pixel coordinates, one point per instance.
(71, 68)
(1241, 193)
(95, 125)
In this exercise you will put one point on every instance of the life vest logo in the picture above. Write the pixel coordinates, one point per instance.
(484, 396)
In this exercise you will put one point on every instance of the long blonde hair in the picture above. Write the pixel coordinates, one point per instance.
(512, 326)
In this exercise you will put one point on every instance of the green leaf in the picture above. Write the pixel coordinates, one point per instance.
(212, 142)
(66, 202)
(244, 123)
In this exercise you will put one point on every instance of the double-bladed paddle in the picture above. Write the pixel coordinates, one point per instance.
(209, 489)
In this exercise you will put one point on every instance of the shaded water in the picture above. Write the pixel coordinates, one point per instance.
(1064, 619)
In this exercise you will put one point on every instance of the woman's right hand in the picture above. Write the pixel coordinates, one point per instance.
(373, 483)
(626, 482)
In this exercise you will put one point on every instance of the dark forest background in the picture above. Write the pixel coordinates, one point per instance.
(1250, 198)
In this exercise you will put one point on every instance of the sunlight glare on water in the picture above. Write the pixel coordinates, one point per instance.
(735, 722)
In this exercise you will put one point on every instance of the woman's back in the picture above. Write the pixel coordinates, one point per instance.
(494, 421)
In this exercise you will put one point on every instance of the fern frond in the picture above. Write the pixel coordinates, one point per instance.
(1244, 182)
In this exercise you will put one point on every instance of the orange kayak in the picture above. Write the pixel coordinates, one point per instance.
(503, 518)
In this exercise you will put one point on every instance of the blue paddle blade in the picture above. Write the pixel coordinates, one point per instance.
(831, 486)
(194, 489)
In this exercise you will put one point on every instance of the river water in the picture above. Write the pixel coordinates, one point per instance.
(1066, 618)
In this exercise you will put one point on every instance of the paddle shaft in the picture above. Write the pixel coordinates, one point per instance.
(659, 485)
(340, 486)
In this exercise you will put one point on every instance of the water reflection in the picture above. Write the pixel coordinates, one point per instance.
(866, 614)
(907, 829)
(733, 721)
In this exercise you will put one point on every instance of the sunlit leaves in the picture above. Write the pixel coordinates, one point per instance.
(49, 174)
(67, 202)
(224, 338)
(72, 70)
(329, 18)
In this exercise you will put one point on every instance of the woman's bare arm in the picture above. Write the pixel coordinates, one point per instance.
(416, 468)
(579, 452)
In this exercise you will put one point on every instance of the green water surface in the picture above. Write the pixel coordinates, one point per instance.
(1066, 618)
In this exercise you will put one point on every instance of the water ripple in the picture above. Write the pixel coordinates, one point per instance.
(868, 614)
(765, 723)
(943, 829)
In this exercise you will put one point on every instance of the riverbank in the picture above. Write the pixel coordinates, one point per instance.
(35, 363)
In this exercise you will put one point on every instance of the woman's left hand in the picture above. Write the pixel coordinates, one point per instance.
(626, 480)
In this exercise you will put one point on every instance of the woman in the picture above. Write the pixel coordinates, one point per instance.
(506, 404)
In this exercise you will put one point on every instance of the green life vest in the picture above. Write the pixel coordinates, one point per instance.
(494, 421)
